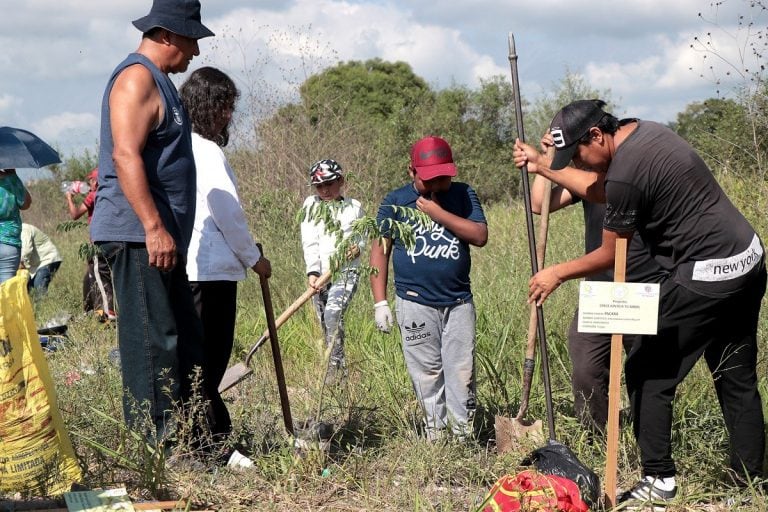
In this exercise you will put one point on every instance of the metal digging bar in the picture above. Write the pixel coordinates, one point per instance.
(531, 239)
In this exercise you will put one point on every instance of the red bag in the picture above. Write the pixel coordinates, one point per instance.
(529, 490)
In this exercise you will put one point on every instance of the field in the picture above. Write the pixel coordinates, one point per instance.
(377, 459)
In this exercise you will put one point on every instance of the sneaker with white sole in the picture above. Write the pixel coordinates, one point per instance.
(239, 461)
(650, 493)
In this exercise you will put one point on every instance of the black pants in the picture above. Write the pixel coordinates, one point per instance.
(724, 330)
(590, 354)
(216, 303)
(97, 286)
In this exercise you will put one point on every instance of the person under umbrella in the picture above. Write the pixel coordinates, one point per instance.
(13, 198)
(18, 149)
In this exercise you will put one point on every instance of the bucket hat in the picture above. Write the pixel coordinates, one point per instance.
(181, 17)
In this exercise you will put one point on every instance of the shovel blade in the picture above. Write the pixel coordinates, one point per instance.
(233, 376)
(517, 435)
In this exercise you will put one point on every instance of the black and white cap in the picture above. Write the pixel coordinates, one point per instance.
(570, 125)
(324, 171)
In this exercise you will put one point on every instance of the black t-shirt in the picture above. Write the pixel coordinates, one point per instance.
(641, 267)
(658, 186)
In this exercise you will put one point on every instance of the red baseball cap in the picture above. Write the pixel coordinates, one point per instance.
(94, 174)
(432, 157)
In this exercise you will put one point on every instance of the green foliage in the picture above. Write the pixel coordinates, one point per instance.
(134, 453)
(721, 133)
(373, 90)
(740, 129)
(87, 250)
(363, 230)
(367, 115)
(76, 167)
(571, 87)
(478, 124)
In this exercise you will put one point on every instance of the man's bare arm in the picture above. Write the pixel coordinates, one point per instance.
(547, 280)
(379, 259)
(135, 110)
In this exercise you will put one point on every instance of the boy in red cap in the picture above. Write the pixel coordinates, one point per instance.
(434, 306)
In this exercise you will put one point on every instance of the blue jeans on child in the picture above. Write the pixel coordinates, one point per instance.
(159, 333)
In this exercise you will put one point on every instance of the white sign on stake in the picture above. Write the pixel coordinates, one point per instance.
(618, 308)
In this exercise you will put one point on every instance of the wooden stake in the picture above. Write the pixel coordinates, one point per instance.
(614, 387)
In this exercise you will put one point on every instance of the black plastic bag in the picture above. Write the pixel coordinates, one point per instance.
(557, 459)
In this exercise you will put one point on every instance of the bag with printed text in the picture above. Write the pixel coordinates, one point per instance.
(36, 455)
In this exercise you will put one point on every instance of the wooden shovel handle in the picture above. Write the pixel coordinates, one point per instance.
(293, 308)
(541, 250)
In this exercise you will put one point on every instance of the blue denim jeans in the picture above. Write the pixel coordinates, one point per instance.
(38, 285)
(10, 256)
(159, 333)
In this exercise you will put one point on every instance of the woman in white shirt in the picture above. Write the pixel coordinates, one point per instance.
(221, 249)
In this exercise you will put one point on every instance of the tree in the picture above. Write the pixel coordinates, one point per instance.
(744, 69)
(572, 87)
(720, 131)
(366, 115)
(374, 89)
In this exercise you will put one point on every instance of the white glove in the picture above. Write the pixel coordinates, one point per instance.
(383, 316)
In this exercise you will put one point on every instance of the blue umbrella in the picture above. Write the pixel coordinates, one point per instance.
(22, 149)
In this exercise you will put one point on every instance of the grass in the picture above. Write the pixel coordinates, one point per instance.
(377, 459)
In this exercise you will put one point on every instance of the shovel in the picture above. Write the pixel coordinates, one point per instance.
(272, 328)
(238, 372)
(508, 431)
(511, 433)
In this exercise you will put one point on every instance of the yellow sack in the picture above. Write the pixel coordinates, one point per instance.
(36, 455)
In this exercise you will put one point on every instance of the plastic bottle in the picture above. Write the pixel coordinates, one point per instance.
(76, 187)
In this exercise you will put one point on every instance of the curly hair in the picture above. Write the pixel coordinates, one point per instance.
(207, 95)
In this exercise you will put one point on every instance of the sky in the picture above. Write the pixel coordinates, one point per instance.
(58, 54)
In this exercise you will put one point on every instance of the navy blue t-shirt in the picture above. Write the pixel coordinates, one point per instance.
(436, 271)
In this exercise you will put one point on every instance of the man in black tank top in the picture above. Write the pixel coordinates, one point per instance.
(144, 211)
(655, 184)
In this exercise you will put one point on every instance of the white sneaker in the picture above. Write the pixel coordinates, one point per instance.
(650, 493)
(238, 461)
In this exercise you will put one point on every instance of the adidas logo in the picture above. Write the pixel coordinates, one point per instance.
(415, 331)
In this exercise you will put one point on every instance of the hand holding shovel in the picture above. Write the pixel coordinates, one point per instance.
(508, 430)
(239, 371)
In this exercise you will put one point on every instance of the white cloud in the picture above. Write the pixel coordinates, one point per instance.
(325, 31)
(62, 51)
(64, 124)
(7, 101)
